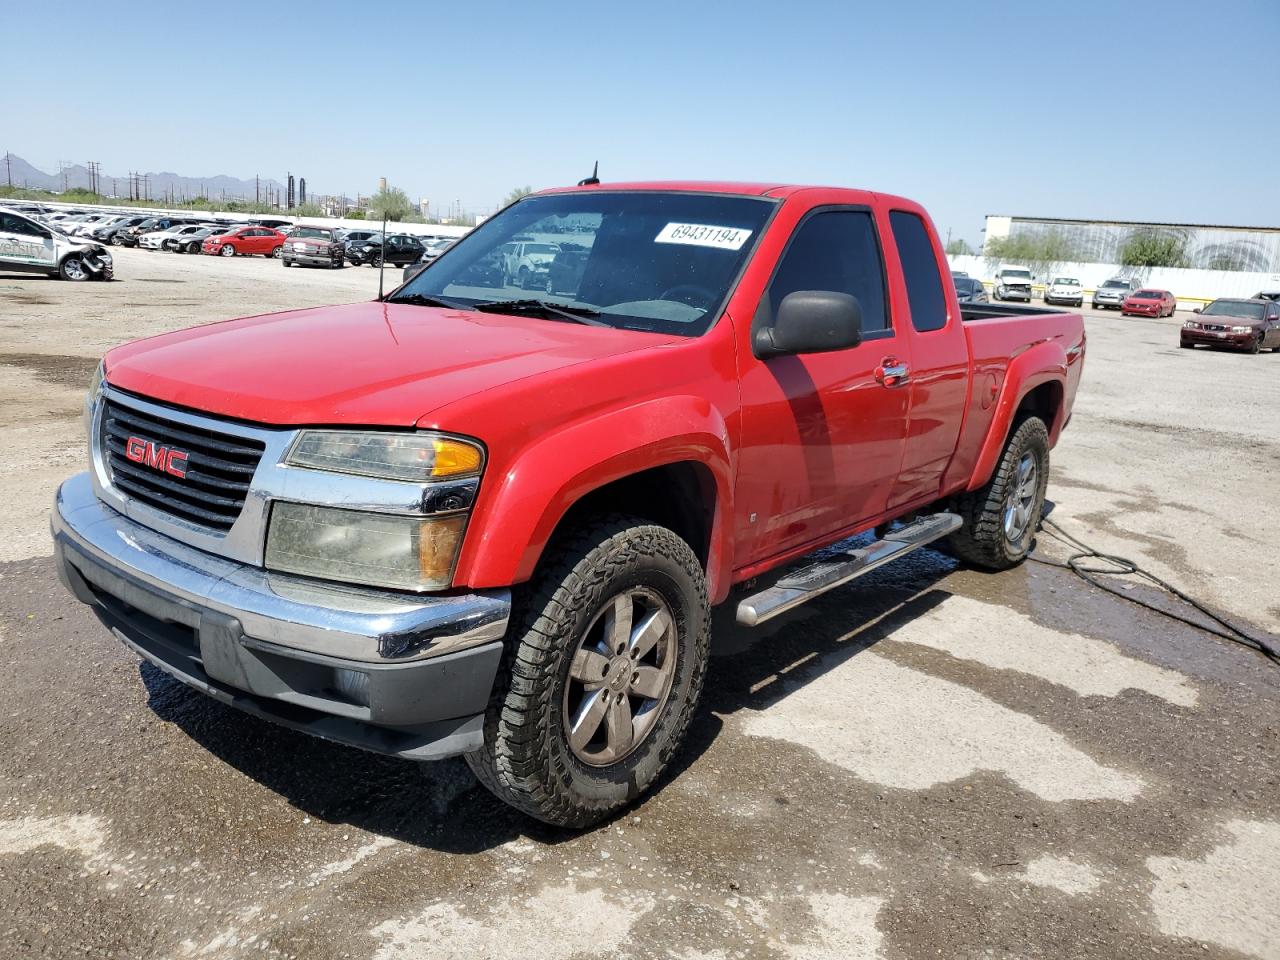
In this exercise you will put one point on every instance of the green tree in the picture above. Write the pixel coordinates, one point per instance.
(354, 214)
(391, 202)
(1153, 248)
(958, 248)
(308, 210)
(516, 194)
(1042, 251)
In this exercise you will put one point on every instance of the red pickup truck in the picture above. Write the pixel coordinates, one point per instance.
(463, 520)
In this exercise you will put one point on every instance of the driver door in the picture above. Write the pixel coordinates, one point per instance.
(823, 434)
(25, 245)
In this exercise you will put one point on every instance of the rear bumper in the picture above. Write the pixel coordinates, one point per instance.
(249, 638)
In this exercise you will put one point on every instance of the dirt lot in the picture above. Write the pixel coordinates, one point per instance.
(934, 762)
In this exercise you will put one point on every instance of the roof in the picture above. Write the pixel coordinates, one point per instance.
(775, 190)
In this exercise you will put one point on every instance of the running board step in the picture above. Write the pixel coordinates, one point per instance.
(815, 579)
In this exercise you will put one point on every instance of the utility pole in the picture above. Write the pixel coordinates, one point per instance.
(257, 198)
(8, 167)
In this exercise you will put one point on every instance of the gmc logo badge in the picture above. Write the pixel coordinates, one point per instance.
(164, 459)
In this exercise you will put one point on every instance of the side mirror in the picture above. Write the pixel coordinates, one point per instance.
(1196, 310)
(811, 321)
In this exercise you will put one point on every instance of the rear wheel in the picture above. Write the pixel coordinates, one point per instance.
(1000, 518)
(605, 667)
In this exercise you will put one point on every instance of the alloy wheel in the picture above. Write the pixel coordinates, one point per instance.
(620, 677)
(1021, 499)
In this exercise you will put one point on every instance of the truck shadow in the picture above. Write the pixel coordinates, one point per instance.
(440, 806)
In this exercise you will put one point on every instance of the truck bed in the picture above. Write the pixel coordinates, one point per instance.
(990, 311)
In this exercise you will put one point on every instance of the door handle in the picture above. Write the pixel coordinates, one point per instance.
(891, 373)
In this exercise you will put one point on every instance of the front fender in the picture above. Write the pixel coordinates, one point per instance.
(518, 511)
(1044, 362)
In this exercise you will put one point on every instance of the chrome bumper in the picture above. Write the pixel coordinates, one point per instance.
(345, 657)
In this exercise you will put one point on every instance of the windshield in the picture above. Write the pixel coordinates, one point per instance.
(1016, 274)
(313, 233)
(1116, 284)
(965, 285)
(1233, 308)
(1147, 295)
(655, 261)
(1066, 282)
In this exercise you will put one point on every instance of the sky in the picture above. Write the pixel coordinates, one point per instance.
(1128, 109)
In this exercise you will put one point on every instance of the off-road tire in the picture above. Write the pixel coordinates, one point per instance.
(981, 539)
(526, 760)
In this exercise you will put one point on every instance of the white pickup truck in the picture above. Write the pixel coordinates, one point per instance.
(1012, 283)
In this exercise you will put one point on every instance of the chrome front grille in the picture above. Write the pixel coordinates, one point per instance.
(218, 468)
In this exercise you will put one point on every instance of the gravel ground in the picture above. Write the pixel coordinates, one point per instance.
(932, 762)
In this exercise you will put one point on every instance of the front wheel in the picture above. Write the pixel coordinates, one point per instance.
(1256, 346)
(277, 252)
(1000, 518)
(227, 250)
(72, 268)
(602, 677)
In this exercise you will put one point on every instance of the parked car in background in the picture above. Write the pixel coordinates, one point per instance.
(1113, 293)
(402, 250)
(177, 239)
(275, 223)
(1267, 295)
(190, 241)
(353, 238)
(1149, 302)
(969, 290)
(107, 233)
(245, 241)
(314, 247)
(523, 259)
(155, 239)
(131, 236)
(1065, 290)
(1250, 325)
(29, 246)
(1012, 283)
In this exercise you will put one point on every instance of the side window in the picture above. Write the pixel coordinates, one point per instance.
(12, 224)
(920, 271)
(835, 250)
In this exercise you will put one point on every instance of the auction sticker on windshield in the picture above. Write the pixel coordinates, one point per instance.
(703, 235)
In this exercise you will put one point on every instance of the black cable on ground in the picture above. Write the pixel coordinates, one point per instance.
(1110, 565)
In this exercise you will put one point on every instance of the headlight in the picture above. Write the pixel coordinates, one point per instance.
(1191, 325)
(417, 457)
(91, 398)
(381, 550)
(1242, 329)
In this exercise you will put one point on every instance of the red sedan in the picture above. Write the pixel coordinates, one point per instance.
(1149, 303)
(245, 241)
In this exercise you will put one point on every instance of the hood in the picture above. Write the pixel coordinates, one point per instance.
(371, 364)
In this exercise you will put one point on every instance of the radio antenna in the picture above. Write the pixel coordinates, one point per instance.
(382, 256)
(592, 180)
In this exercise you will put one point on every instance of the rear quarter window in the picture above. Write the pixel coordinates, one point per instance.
(920, 271)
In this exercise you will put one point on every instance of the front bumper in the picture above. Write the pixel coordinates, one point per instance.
(1015, 293)
(1220, 338)
(249, 638)
(310, 259)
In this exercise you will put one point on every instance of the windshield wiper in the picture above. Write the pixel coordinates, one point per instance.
(552, 311)
(422, 300)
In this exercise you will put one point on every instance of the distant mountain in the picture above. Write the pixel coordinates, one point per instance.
(159, 185)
